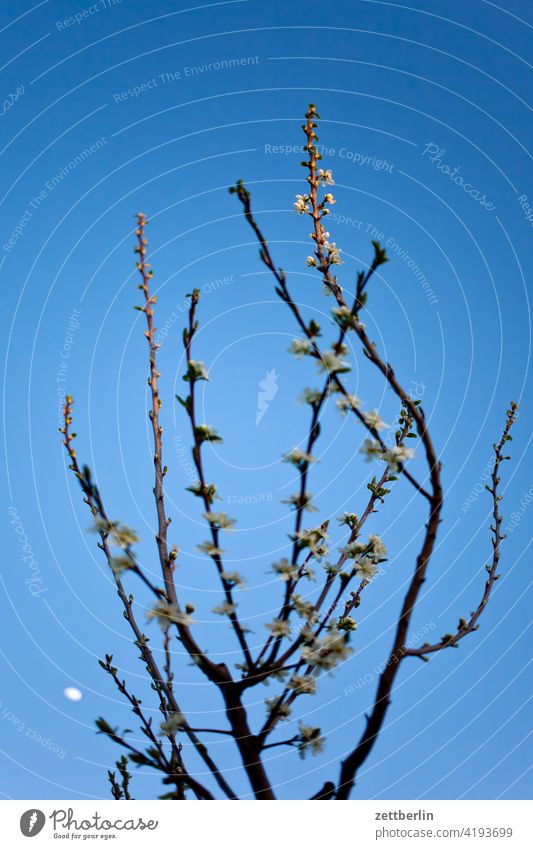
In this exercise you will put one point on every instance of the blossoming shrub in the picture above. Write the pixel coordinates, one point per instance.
(312, 630)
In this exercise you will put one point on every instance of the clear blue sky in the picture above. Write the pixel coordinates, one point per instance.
(128, 108)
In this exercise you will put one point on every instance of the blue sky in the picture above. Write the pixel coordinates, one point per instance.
(161, 108)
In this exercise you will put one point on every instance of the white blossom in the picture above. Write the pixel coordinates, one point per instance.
(373, 419)
(166, 614)
(287, 571)
(282, 710)
(343, 316)
(311, 261)
(366, 569)
(325, 177)
(300, 347)
(298, 458)
(220, 520)
(327, 652)
(120, 564)
(305, 502)
(334, 253)
(117, 534)
(225, 608)
(397, 456)
(346, 623)
(330, 362)
(371, 449)
(210, 548)
(314, 538)
(354, 549)
(310, 396)
(301, 205)
(209, 489)
(233, 578)
(349, 519)
(348, 402)
(310, 740)
(279, 628)
(304, 609)
(173, 723)
(379, 549)
(196, 370)
(303, 684)
(206, 433)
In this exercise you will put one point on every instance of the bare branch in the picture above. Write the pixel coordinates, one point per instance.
(469, 626)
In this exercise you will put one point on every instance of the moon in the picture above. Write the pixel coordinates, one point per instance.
(73, 694)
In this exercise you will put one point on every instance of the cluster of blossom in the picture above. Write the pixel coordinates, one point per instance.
(165, 614)
(221, 521)
(327, 652)
(305, 609)
(118, 534)
(298, 458)
(291, 571)
(225, 608)
(394, 456)
(332, 363)
(208, 547)
(310, 740)
(348, 402)
(346, 623)
(302, 684)
(343, 316)
(283, 710)
(300, 347)
(235, 579)
(206, 433)
(279, 628)
(173, 723)
(373, 419)
(366, 555)
(314, 539)
(196, 370)
(302, 502)
(310, 396)
(209, 490)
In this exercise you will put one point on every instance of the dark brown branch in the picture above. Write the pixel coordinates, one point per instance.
(93, 500)
(182, 777)
(205, 494)
(375, 721)
(283, 292)
(469, 626)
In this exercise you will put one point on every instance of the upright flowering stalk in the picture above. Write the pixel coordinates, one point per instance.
(322, 584)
